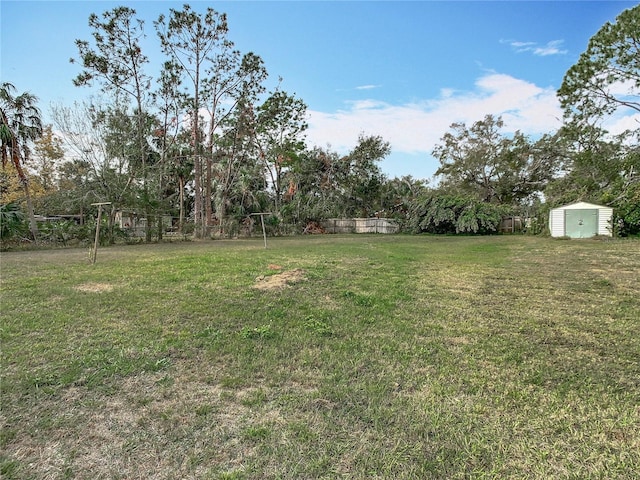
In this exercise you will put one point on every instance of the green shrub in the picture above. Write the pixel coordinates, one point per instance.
(12, 221)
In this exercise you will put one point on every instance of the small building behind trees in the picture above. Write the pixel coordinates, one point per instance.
(136, 224)
(581, 220)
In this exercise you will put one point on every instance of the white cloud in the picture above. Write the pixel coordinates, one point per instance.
(415, 128)
(521, 44)
(623, 89)
(550, 48)
(620, 122)
(367, 87)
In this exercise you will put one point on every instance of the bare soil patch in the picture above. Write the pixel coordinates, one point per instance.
(280, 280)
(95, 287)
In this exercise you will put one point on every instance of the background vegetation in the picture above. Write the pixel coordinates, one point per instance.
(204, 143)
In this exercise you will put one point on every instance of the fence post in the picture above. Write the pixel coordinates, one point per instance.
(97, 239)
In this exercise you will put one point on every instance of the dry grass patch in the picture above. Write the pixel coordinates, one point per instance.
(158, 425)
(95, 287)
(280, 280)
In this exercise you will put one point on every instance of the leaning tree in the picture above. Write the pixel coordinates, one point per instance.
(606, 77)
(20, 125)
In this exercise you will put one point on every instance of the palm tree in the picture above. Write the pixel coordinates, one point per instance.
(20, 125)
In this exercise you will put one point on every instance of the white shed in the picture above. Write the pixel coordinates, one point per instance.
(581, 220)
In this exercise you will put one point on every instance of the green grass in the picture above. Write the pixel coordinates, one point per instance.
(398, 357)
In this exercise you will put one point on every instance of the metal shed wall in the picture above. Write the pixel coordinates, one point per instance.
(605, 221)
(556, 222)
(557, 225)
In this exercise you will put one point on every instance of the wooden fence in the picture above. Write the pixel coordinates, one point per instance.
(511, 224)
(360, 225)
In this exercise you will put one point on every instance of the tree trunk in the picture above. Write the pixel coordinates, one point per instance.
(181, 201)
(197, 197)
(208, 210)
(160, 227)
(221, 212)
(278, 189)
(147, 233)
(33, 226)
(15, 158)
(111, 225)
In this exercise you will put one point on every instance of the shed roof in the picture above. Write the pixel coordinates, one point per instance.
(581, 206)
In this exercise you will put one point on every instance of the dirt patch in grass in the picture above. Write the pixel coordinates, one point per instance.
(280, 280)
(94, 287)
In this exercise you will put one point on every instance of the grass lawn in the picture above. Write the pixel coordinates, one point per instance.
(403, 357)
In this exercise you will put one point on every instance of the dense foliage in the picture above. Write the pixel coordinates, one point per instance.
(11, 221)
(446, 213)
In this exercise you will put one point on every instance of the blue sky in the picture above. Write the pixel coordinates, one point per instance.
(402, 70)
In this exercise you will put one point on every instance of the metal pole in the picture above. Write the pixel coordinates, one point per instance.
(264, 232)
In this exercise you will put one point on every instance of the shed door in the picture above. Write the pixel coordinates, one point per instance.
(580, 223)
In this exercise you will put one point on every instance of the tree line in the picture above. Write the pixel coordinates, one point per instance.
(205, 143)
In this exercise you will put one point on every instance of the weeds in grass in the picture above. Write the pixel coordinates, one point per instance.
(262, 331)
(318, 326)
